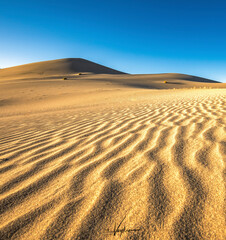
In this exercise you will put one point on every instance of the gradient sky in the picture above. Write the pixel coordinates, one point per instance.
(146, 36)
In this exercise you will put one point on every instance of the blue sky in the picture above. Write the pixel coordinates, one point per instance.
(146, 36)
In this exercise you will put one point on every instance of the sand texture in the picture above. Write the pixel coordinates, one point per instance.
(96, 158)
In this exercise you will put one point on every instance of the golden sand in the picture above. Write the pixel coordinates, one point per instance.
(89, 159)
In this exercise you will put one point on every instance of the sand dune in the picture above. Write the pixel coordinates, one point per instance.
(94, 159)
(55, 67)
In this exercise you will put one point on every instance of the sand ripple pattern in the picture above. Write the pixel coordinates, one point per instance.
(156, 168)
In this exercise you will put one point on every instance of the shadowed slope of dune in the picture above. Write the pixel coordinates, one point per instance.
(155, 81)
(145, 169)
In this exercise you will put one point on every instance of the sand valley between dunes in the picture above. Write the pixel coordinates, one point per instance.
(110, 162)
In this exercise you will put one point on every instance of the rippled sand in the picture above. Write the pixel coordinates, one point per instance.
(129, 165)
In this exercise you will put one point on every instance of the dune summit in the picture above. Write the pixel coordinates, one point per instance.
(110, 156)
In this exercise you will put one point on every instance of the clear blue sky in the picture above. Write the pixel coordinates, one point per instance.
(146, 36)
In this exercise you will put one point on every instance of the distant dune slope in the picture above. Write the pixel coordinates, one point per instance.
(56, 67)
(155, 81)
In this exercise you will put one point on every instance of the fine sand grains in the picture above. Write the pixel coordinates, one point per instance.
(150, 169)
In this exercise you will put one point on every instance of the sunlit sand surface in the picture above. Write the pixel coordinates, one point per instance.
(93, 159)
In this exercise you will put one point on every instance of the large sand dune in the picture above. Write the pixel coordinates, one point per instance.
(101, 157)
(55, 67)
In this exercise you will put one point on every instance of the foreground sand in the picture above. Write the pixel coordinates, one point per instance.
(111, 163)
